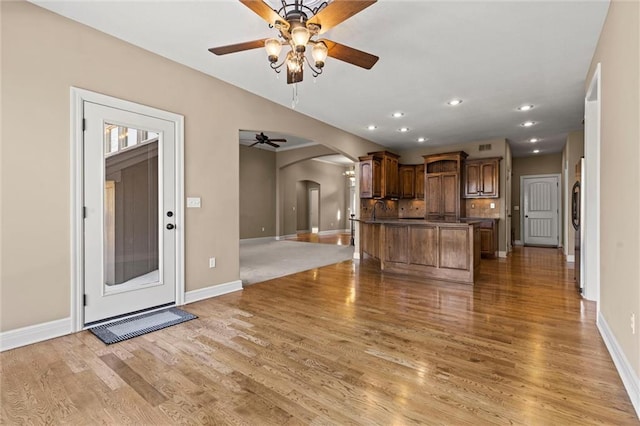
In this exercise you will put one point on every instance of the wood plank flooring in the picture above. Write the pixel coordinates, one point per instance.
(339, 345)
(342, 239)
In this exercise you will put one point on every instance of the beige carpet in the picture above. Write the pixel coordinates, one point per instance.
(263, 260)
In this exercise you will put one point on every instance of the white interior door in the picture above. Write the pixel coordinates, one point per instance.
(129, 199)
(314, 210)
(541, 210)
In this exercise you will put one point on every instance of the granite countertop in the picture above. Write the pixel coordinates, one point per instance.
(419, 221)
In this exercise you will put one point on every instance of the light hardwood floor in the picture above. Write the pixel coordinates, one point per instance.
(343, 344)
(341, 239)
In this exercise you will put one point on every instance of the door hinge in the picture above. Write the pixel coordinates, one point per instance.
(84, 124)
(84, 212)
(84, 299)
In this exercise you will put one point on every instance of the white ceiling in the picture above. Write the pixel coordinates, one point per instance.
(494, 55)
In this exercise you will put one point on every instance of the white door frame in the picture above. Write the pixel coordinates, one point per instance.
(310, 204)
(78, 97)
(591, 190)
(559, 194)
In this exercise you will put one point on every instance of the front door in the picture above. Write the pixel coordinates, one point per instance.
(541, 210)
(129, 199)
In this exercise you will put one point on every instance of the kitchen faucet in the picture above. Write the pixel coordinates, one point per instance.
(374, 208)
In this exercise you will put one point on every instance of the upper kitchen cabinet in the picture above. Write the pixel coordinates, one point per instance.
(379, 175)
(411, 181)
(370, 176)
(443, 189)
(482, 178)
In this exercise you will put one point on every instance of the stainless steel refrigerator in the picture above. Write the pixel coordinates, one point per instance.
(577, 213)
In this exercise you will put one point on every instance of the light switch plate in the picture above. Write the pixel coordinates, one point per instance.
(516, 208)
(193, 202)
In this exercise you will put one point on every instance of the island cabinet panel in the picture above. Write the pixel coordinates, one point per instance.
(370, 239)
(447, 251)
(396, 243)
(423, 242)
(454, 248)
(486, 241)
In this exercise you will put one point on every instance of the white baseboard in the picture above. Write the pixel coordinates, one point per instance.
(284, 237)
(213, 291)
(334, 231)
(517, 243)
(34, 333)
(356, 255)
(629, 378)
(502, 254)
(247, 240)
(571, 258)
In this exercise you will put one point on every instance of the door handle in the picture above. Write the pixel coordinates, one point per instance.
(170, 226)
(526, 215)
(169, 214)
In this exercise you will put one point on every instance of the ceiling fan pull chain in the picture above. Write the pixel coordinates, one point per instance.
(294, 98)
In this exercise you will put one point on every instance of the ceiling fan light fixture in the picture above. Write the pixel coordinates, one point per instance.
(293, 64)
(300, 37)
(273, 47)
(319, 53)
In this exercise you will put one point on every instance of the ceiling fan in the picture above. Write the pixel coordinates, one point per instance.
(261, 138)
(299, 26)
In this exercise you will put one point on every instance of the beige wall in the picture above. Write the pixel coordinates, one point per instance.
(573, 150)
(618, 51)
(534, 165)
(481, 208)
(333, 186)
(43, 55)
(257, 192)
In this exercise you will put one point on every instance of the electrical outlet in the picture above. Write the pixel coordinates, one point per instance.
(212, 262)
(493, 205)
(633, 323)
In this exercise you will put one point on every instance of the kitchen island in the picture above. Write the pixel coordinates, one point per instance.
(442, 250)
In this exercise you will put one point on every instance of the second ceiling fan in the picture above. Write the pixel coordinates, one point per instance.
(299, 27)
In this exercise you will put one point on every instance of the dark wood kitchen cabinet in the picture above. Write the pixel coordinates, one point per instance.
(411, 181)
(443, 190)
(482, 178)
(370, 176)
(379, 175)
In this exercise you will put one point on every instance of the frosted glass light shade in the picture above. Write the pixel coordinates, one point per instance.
(273, 48)
(319, 53)
(300, 37)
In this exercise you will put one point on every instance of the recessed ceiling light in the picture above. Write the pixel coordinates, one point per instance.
(371, 127)
(535, 151)
(528, 123)
(454, 102)
(525, 107)
(397, 114)
(403, 129)
(422, 139)
(534, 140)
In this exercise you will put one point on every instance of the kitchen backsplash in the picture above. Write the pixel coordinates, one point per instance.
(387, 210)
(481, 207)
(411, 208)
(478, 207)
